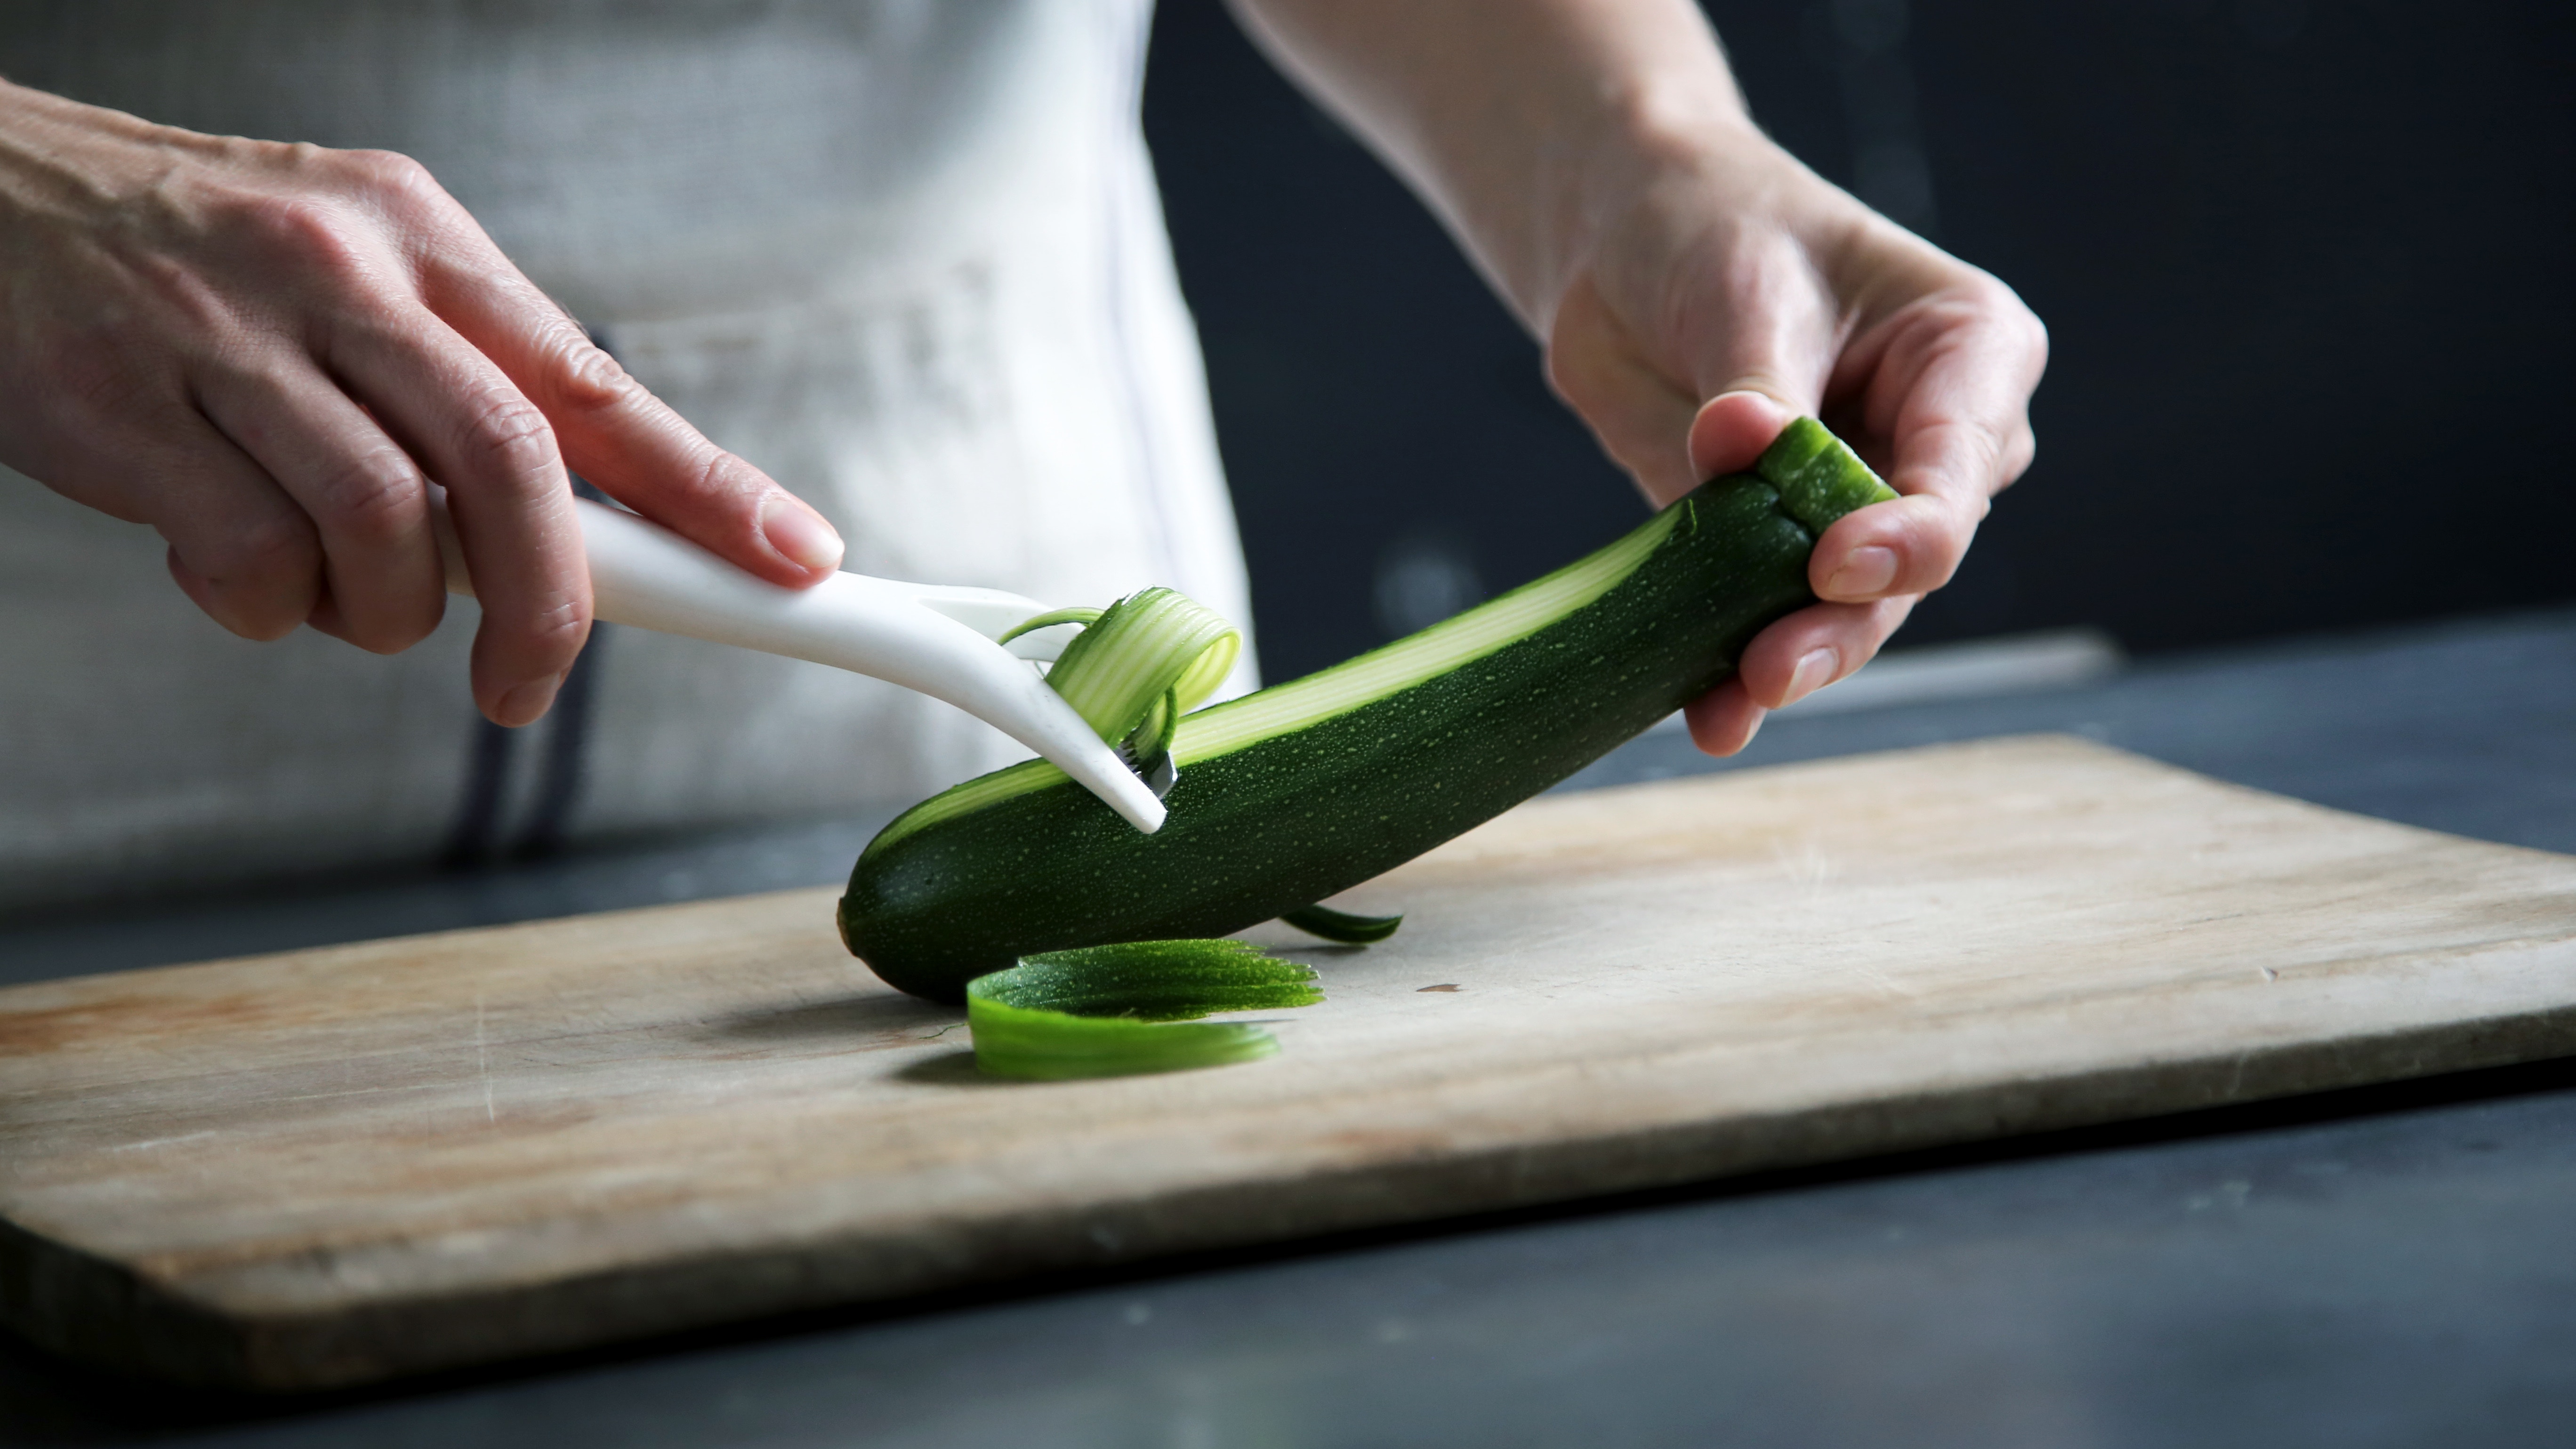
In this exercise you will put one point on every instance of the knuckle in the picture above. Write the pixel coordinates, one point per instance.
(2035, 349)
(585, 377)
(509, 438)
(722, 476)
(1568, 376)
(553, 631)
(390, 176)
(310, 232)
(1572, 361)
(2033, 330)
(2022, 327)
(1989, 298)
(2023, 452)
(374, 498)
(275, 547)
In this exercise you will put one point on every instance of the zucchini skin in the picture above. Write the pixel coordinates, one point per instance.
(1297, 816)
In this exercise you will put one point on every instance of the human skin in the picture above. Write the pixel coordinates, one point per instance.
(1694, 285)
(268, 352)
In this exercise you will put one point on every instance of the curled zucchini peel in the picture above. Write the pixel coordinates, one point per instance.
(1106, 1011)
(1138, 666)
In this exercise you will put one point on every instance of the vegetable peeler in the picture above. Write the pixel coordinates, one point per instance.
(932, 638)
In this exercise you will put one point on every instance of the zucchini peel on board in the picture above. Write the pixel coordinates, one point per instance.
(1304, 789)
(1103, 1010)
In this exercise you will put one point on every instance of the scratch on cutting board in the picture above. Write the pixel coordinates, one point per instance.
(1808, 866)
(1814, 871)
(483, 1062)
(1886, 983)
(162, 1141)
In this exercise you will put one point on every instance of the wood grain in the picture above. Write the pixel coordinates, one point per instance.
(338, 1165)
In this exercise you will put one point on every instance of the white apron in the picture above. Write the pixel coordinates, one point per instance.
(905, 255)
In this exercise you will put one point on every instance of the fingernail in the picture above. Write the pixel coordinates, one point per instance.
(799, 533)
(1815, 670)
(524, 703)
(1866, 572)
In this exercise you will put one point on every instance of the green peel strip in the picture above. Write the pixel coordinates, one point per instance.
(1075, 615)
(1149, 645)
(1342, 926)
(1139, 665)
(1107, 1011)
(1133, 671)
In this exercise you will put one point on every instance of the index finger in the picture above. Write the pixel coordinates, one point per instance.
(1946, 381)
(618, 436)
(1951, 387)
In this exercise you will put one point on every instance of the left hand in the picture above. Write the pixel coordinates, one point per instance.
(1734, 290)
(1696, 287)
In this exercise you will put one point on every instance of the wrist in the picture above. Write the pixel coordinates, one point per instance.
(1662, 140)
(62, 157)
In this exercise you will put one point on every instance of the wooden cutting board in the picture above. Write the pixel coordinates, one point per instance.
(338, 1165)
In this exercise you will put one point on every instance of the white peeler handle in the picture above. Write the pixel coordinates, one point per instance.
(925, 637)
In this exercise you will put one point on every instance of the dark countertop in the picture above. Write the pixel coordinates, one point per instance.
(2395, 1265)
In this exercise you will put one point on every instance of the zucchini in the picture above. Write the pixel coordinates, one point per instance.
(1288, 795)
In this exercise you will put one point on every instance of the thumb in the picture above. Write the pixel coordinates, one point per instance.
(1734, 427)
(1760, 350)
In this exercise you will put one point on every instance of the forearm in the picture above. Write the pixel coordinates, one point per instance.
(1526, 124)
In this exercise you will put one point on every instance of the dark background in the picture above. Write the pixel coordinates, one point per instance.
(2305, 268)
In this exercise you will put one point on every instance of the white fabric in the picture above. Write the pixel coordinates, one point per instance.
(904, 255)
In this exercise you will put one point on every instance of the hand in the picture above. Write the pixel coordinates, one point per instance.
(1736, 290)
(1695, 285)
(267, 352)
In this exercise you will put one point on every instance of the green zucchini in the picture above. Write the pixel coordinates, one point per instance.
(1307, 788)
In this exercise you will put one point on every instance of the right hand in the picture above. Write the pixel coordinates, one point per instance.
(268, 352)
